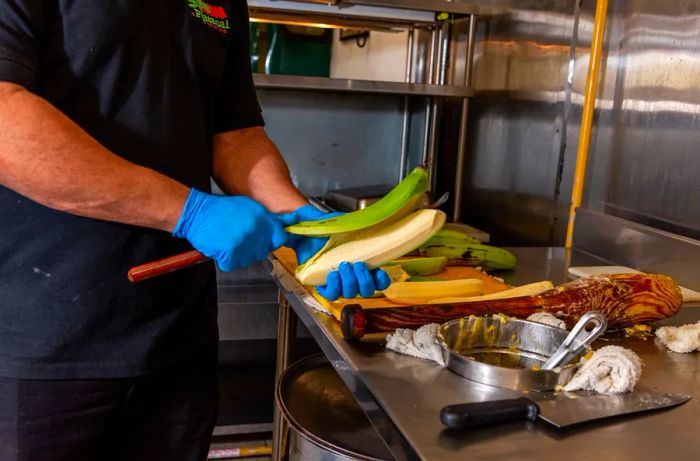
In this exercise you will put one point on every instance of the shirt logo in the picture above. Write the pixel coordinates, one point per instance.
(211, 15)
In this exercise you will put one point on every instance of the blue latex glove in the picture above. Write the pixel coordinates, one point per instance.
(234, 231)
(350, 279)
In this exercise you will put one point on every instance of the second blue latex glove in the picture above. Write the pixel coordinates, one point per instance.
(353, 279)
(234, 230)
(350, 279)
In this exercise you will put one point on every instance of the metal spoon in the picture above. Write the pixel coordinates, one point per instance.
(578, 339)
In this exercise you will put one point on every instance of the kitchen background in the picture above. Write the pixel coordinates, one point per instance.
(530, 64)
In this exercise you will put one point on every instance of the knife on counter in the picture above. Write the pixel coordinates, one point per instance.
(575, 408)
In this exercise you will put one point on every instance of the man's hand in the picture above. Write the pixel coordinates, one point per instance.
(350, 279)
(234, 231)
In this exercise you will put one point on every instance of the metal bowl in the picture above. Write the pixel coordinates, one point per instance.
(504, 352)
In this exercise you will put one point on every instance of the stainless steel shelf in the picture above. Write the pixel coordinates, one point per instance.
(447, 6)
(292, 82)
(382, 6)
(331, 9)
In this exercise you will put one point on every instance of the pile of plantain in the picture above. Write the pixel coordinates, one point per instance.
(392, 228)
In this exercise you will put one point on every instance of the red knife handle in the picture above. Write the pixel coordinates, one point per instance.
(353, 321)
(166, 265)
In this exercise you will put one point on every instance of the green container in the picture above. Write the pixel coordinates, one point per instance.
(296, 50)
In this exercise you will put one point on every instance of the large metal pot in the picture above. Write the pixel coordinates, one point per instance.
(325, 421)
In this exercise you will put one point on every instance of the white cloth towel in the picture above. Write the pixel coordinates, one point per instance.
(681, 339)
(611, 370)
(419, 343)
(547, 319)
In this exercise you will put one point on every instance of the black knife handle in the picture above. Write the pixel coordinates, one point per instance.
(480, 414)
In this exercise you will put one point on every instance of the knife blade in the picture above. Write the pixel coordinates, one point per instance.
(560, 410)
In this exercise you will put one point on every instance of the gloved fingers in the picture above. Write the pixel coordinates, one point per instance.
(241, 260)
(246, 262)
(293, 241)
(244, 253)
(261, 249)
(249, 250)
(225, 263)
(314, 245)
(225, 267)
(331, 290)
(301, 251)
(287, 219)
(279, 236)
(309, 213)
(381, 279)
(365, 281)
(261, 254)
(308, 247)
(348, 281)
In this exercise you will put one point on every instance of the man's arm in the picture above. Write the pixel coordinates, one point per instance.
(51, 160)
(246, 162)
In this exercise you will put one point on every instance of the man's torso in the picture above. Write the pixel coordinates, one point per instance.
(142, 78)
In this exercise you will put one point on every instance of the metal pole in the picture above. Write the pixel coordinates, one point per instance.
(584, 139)
(431, 56)
(444, 53)
(435, 75)
(428, 106)
(403, 162)
(286, 331)
(464, 118)
(440, 76)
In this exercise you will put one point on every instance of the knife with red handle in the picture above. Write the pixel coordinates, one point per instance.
(166, 265)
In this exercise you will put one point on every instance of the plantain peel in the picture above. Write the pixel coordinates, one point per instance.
(399, 202)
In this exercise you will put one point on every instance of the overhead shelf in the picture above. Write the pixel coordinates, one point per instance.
(375, 8)
(447, 6)
(328, 9)
(293, 82)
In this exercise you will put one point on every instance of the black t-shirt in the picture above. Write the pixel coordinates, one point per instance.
(152, 81)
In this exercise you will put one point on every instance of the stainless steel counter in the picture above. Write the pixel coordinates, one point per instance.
(402, 396)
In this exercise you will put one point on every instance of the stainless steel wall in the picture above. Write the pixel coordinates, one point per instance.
(332, 140)
(530, 70)
(518, 120)
(646, 144)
